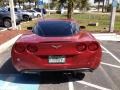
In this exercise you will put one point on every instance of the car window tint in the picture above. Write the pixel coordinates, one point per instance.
(55, 28)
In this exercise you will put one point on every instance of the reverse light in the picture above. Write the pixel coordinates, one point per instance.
(93, 46)
(19, 48)
(32, 48)
(81, 47)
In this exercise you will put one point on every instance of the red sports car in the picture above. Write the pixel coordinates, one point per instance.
(56, 45)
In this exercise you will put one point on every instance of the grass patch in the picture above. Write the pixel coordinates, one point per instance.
(24, 25)
(84, 19)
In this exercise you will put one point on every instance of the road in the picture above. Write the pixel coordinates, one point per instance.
(106, 77)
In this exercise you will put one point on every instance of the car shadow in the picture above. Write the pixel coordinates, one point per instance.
(7, 70)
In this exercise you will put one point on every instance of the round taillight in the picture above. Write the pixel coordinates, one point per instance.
(93, 46)
(19, 48)
(32, 48)
(81, 47)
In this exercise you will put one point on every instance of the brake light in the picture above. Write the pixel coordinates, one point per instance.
(93, 46)
(32, 48)
(19, 48)
(81, 47)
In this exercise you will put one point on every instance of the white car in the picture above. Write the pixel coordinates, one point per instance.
(35, 13)
(23, 14)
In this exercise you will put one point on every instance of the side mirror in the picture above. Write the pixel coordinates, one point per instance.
(82, 27)
(29, 28)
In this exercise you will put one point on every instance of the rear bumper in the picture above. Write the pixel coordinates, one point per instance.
(32, 62)
(66, 70)
(35, 64)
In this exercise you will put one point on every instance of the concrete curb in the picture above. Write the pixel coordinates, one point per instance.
(107, 37)
(104, 34)
(7, 44)
(4, 29)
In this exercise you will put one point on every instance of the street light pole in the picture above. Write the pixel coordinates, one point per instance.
(113, 14)
(12, 12)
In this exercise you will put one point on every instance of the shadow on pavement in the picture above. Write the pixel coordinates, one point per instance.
(8, 68)
(8, 71)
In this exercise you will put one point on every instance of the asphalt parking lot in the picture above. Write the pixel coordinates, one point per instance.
(106, 77)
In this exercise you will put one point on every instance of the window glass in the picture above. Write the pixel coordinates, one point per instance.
(55, 28)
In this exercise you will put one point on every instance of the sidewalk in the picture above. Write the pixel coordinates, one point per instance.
(9, 34)
(107, 36)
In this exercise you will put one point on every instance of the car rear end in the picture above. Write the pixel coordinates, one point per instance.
(56, 56)
(41, 52)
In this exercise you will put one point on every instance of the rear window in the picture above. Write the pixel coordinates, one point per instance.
(55, 28)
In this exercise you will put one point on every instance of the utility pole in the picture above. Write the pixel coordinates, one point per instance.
(113, 14)
(12, 12)
(49, 5)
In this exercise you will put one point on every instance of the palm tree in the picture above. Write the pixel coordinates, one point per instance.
(98, 1)
(82, 4)
(103, 7)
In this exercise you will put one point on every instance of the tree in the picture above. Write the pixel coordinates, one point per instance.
(82, 4)
(103, 7)
(70, 5)
(70, 8)
(98, 1)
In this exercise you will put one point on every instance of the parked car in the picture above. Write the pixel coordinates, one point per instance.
(39, 10)
(5, 18)
(56, 45)
(35, 13)
(24, 14)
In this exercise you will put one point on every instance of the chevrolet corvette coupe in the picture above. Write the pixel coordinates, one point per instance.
(56, 45)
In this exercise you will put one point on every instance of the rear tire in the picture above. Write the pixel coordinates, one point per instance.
(38, 15)
(7, 23)
(26, 18)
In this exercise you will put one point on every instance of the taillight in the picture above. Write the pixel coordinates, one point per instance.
(32, 48)
(81, 47)
(19, 48)
(93, 46)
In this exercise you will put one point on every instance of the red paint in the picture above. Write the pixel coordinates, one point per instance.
(77, 56)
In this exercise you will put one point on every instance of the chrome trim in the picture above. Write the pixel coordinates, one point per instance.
(56, 46)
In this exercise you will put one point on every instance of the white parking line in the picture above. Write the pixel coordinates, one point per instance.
(104, 51)
(93, 85)
(111, 65)
(70, 86)
(7, 85)
(117, 59)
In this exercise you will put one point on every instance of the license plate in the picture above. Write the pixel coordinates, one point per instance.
(56, 59)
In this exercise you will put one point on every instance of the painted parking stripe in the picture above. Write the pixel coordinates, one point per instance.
(26, 86)
(70, 86)
(93, 85)
(104, 51)
(9, 84)
(6, 85)
(111, 65)
(117, 59)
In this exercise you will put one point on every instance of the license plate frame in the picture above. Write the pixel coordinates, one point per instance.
(56, 59)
